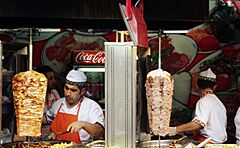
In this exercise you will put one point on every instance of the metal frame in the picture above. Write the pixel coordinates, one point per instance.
(1, 53)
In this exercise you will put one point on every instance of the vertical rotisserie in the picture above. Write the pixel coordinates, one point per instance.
(159, 91)
(29, 92)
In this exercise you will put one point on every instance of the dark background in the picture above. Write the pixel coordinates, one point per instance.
(170, 14)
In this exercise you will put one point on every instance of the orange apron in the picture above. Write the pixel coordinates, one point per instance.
(61, 123)
(200, 138)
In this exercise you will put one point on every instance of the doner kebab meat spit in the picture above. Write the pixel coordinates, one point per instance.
(159, 92)
(29, 92)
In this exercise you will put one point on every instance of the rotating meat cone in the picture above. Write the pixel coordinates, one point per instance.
(159, 92)
(29, 92)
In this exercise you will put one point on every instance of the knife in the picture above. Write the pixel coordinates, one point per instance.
(53, 135)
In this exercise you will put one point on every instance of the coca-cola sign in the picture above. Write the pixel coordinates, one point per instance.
(88, 57)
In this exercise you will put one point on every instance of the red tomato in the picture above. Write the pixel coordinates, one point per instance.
(224, 82)
(165, 44)
(184, 58)
(66, 41)
(51, 52)
(61, 54)
(192, 101)
(229, 50)
(208, 43)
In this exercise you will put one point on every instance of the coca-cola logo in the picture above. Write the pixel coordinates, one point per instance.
(89, 57)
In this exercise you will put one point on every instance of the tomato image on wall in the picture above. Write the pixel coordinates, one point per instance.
(58, 50)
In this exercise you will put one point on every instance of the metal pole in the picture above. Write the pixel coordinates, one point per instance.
(159, 48)
(30, 49)
(1, 53)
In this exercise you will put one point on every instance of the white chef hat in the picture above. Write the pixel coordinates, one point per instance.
(207, 75)
(76, 77)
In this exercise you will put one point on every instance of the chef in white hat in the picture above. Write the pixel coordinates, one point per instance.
(79, 115)
(210, 119)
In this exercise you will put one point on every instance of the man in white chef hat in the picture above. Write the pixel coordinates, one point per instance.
(210, 119)
(75, 113)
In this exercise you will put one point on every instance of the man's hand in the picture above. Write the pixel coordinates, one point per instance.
(76, 126)
(172, 131)
(44, 119)
(51, 136)
(92, 129)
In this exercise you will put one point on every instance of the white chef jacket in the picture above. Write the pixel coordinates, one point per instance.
(237, 125)
(211, 114)
(90, 111)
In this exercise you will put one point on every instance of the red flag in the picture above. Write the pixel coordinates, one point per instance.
(141, 6)
(128, 9)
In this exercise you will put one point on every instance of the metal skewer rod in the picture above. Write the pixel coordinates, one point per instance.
(1, 53)
(159, 141)
(159, 48)
(28, 139)
(30, 49)
(159, 67)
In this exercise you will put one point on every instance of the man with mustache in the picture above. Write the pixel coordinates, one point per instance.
(79, 115)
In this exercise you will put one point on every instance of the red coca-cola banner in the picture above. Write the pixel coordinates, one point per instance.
(88, 57)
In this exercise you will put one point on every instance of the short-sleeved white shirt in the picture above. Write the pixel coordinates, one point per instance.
(211, 114)
(237, 125)
(90, 111)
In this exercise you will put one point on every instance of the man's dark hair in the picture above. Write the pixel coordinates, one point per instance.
(44, 69)
(202, 84)
(80, 85)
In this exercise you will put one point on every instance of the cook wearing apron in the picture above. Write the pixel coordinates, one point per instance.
(210, 119)
(80, 115)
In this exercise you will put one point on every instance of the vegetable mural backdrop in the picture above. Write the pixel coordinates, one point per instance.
(58, 50)
(177, 52)
(204, 51)
(184, 56)
(215, 45)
